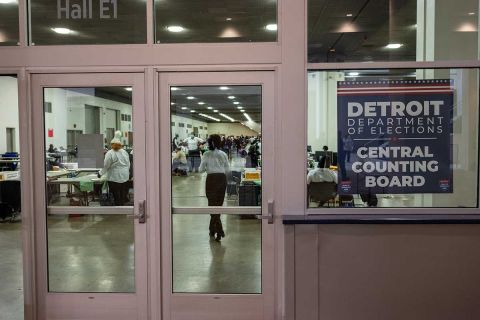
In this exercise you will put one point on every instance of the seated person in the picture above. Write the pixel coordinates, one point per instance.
(323, 173)
(179, 162)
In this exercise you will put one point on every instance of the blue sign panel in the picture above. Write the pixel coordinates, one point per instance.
(395, 136)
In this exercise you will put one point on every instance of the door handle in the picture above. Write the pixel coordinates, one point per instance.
(269, 216)
(142, 215)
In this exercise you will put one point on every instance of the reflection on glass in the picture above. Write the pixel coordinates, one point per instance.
(91, 253)
(183, 21)
(88, 22)
(202, 265)
(234, 114)
(392, 30)
(9, 34)
(89, 163)
(430, 159)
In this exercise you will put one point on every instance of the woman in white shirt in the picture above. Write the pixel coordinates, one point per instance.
(215, 163)
(116, 169)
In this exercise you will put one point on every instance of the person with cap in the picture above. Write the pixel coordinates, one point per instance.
(116, 169)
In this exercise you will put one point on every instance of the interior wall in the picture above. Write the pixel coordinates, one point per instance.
(377, 272)
(230, 129)
(184, 131)
(9, 111)
(68, 113)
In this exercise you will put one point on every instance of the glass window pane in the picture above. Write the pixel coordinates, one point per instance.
(88, 22)
(392, 30)
(9, 23)
(184, 21)
(202, 265)
(11, 265)
(393, 138)
(234, 114)
(89, 163)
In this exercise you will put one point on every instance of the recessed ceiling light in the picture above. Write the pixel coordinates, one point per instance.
(62, 30)
(184, 108)
(394, 46)
(227, 117)
(201, 103)
(239, 107)
(209, 108)
(349, 15)
(353, 74)
(175, 28)
(174, 88)
(229, 19)
(190, 98)
(271, 27)
(172, 103)
(470, 13)
(128, 89)
(236, 102)
(224, 88)
(192, 111)
(242, 110)
(231, 97)
(215, 110)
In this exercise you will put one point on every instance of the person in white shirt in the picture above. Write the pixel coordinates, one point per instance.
(193, 145)
(116, 169)
(323, 172)
(215, 163)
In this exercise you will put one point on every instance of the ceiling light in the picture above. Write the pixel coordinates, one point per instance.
(224, 88)
(247, 117)
(209, 108)
(242, 110)
(175, 28)
(192, 111)
(209, 117)
(215, 110)
(184, 108)
(349, 15)
(394, 46)
(7, 1)
(190, 98)
(201, 103)
(271, 27)
(353, 74)
(172, 103)
(236, 102)
(470, 13)
(227, 117)
(174, 88)
(61, 30)
(129, 89)
(240, 107)
(231, 97)
(229, 19)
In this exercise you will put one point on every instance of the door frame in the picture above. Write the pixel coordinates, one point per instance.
(189, 306)
(85, 305)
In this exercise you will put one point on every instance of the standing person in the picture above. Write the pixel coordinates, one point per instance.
(193, 145)
(175, 142)
(347, 146)
(215, 163)
(116, 169)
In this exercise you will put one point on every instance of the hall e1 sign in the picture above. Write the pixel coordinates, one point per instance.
(87, 9)
(395, 136)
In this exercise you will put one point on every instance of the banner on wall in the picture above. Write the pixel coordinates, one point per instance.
(395, 136)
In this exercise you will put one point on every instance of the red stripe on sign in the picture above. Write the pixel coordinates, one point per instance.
(389, 93)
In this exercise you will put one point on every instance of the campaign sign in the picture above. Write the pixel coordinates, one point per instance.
(395, 136)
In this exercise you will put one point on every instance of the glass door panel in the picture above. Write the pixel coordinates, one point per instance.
(94, 244)
(220, 188)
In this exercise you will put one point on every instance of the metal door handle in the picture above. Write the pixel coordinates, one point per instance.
(142, 215)
(269, 215)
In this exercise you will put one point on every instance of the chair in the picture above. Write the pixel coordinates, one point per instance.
(233, 184)
(322, 192)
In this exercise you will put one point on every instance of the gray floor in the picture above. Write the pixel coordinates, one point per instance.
(11, 273)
